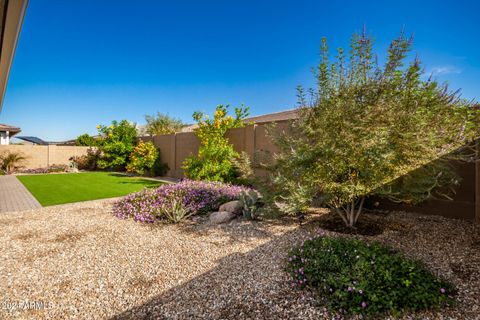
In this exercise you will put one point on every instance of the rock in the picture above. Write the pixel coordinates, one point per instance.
(221, 217)
(234, 206)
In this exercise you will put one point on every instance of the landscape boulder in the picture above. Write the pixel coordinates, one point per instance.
(221, 217)
(234, 206)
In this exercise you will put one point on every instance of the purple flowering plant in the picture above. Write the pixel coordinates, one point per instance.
(194, 197)
(341, 273)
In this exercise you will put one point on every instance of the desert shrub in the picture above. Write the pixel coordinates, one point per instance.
(35, 171)
(244, 169)
(54, 168)
(85, 140)
(215, 155)
(193, 197)
(142, 157)
(162, 124)
(366, 128)
(118, 141)
(251, 201)
(352, 276)
(11, 161)
(87, 161)
(174, 211)
(57, 168)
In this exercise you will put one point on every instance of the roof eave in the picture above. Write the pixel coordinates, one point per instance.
(14, 14)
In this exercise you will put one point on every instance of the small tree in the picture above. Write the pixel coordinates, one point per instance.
(368, 129)
(162, 124)
(142, 157)
(85, 140)
(118, 142)
(215, 155)
(11, 161)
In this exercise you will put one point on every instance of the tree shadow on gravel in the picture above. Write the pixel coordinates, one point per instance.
(253, 285)
(238, 229)
(248, 285)
(371, 223)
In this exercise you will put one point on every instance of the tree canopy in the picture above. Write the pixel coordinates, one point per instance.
(372, 129)
(162, 124)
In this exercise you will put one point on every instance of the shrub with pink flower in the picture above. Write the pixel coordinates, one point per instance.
(196, 197)
(351, 276)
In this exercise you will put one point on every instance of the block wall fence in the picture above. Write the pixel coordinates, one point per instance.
(44, 156)
(253, 139)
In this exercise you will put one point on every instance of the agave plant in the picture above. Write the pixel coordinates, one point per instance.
(175, 211)
(11, 161)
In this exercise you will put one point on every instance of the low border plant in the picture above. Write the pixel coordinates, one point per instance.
(175, 202)
(355, 277)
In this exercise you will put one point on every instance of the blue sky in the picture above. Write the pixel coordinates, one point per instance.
(83, 63)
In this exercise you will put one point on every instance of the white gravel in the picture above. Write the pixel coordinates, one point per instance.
(78, 261)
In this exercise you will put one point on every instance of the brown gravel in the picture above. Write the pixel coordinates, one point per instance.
(79, 261)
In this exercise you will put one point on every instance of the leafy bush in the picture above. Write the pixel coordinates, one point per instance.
(190, 197)
(352, 276)
(214, 159)
(11, 161)
(367, 127)
(87, 161)
(85, 140)
(142, 157)
(244, 168)
(118, 141)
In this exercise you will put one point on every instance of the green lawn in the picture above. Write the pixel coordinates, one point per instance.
(51, 189)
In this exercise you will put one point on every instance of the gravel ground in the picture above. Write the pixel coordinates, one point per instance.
(78, 261)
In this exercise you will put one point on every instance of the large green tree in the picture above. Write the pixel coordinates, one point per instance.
(162, 124)
(118, 141)
(372, 129)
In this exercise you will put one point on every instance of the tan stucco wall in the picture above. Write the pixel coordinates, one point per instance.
(43, 156)
(252, 139)
(186, 143)
(166, 144)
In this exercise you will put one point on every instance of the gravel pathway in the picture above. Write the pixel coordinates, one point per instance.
(79, 261)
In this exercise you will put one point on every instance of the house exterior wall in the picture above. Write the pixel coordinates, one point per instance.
(4, 138)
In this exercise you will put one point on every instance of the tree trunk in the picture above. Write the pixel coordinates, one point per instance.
(351, 212)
